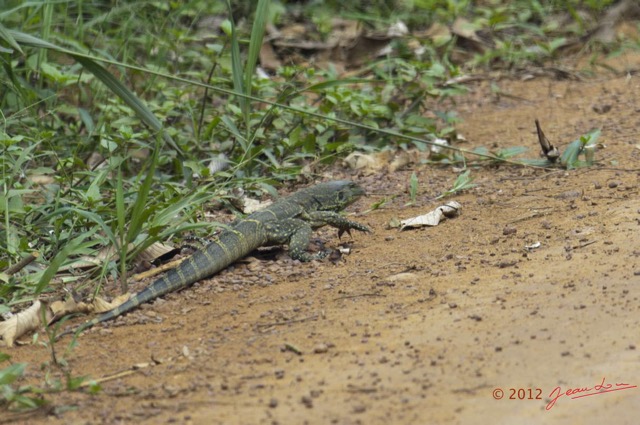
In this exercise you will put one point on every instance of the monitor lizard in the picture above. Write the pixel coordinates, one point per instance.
(289, 220)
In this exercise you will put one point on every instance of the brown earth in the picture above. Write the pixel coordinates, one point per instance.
(415, 327)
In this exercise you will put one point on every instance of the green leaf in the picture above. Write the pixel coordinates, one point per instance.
(236, 63)
(10, 373)
(8, 38)
(255, 45)
(140, 205)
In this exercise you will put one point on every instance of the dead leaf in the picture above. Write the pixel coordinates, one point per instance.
(24, 322)
(402, 277)
(469, 36)
(250, 205)
(402, 158)
(268, 58)
(433, 218)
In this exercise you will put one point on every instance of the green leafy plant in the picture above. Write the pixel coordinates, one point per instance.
(28, 397)
(463, 182)
(13, 397)
(584, 146)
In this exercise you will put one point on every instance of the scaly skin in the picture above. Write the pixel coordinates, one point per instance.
(287, 221)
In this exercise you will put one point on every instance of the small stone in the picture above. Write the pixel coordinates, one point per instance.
(273, 403)
(321, 348)
(509, 231)
(613, 185)
(601, 109)
(307, 401)
(360, 408)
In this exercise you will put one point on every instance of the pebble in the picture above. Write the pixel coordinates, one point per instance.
(509, 231)
(321, 348)
(307, 401)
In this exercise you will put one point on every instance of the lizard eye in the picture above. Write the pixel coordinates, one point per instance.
(341, 196)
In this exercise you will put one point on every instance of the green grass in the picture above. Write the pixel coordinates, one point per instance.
(111, 114)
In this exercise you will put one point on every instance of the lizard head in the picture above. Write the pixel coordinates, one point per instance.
(341, 193)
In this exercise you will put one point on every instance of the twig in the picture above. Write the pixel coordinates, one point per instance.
(22, 263)
(155, 271)
(365, 294)
(582, 245)
(122, 374)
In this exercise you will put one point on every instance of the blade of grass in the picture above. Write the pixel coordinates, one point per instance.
(6, 36)
(236, 66)
(120, 216)
(45, 31)
(255, 44)
(137, 214)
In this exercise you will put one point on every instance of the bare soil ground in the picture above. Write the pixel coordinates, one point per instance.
(414, 327)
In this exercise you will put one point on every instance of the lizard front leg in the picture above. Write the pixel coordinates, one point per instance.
(329, 218)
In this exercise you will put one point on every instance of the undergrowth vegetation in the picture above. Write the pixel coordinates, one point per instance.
(120, 120)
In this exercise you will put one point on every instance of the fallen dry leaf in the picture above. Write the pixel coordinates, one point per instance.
(433, 218)
(23, 322)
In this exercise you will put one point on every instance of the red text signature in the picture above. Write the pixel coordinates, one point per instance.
(574, 393)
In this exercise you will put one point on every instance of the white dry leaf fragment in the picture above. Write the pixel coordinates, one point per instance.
(250, 205)
(449, 210)
(438, 145)
(220, 163)
(399, 29)
(24, 322)
(532, 246)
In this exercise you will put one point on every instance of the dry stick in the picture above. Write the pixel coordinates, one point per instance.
(365, 294)
(582, 245)
(157, 270)
(117, 375)
(22, 263)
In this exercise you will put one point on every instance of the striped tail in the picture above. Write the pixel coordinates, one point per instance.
(231, 245)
